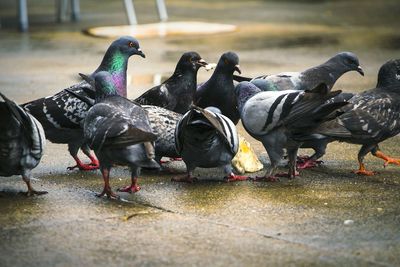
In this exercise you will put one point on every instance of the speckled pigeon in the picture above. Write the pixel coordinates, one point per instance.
(62, 114)
(22, 141)
(280, 119)
(118, 130)
(372, 117)
(177, 92)
(205, 138)
(218, 91)
(326, 73)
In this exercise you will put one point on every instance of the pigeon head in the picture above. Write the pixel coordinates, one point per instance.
(347, 62)
(389, 73)
(229, 62)
(128, 46)
(115, 60)
(190, 61)
(105, 85)
(244, 91)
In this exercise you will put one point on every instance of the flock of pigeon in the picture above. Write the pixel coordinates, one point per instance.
(178, 118)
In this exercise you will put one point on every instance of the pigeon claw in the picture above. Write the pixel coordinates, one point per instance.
(129, 189)
(84, 167)
(233, 177)
(308, 164)
(364, 172)
(108, 192)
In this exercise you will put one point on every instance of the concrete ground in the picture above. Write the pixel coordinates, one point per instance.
(298, 222)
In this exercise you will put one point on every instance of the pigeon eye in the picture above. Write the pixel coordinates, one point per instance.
(226, 61)
(131, 44)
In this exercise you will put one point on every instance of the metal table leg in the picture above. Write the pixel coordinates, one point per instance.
(130, 12)
(162, 10)
(75, 12)
(23, 16)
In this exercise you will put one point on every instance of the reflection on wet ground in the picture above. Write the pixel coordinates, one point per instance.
(297, 222)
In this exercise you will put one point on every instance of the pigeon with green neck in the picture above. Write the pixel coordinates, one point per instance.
(62, 114)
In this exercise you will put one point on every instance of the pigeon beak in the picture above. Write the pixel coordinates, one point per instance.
(202, 63)
(360, 70)
(237, 68)
(140, 53)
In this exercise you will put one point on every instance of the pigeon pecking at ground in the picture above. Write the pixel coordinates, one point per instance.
(371, 117)
(22, 141)
(281, 119)
(326, 73)
(205, 138)
(218, 91)
(177, 92)
(118, 130)
(62, 114)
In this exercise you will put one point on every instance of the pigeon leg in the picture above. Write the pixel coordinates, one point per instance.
(365, 149)
(132, 188)
(363, 171)
(308, 164)
(81, 166)
(94, 161)
(388, 160)
(31, 191)
(107, 188)
(233, 177)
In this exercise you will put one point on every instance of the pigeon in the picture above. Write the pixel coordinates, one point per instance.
(218, 91)
(371, 117)
(62, 114)
(119, 132)
(163, 123)
(22, 142)
(280, 119)
(177, 92)
(205, 138)
(318, 142)
(326, 73)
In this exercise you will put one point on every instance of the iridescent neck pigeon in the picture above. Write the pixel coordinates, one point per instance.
(118, 131)
(372, 117)
(205, 138)
(62, 114)
(177, 92)
(22, 141)
(281, 119)
(218, 91)
(326, 73)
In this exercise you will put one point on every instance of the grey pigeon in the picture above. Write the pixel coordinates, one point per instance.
(62, 114)
(280, 119)
(318, 142)
(22, 141)
(118, 131)
(218, 91)
(163, 123)
(371, 117)
(177, 92)
(326, 73)
(205, 138)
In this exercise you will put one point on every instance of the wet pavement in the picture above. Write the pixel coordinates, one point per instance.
(328, 216)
